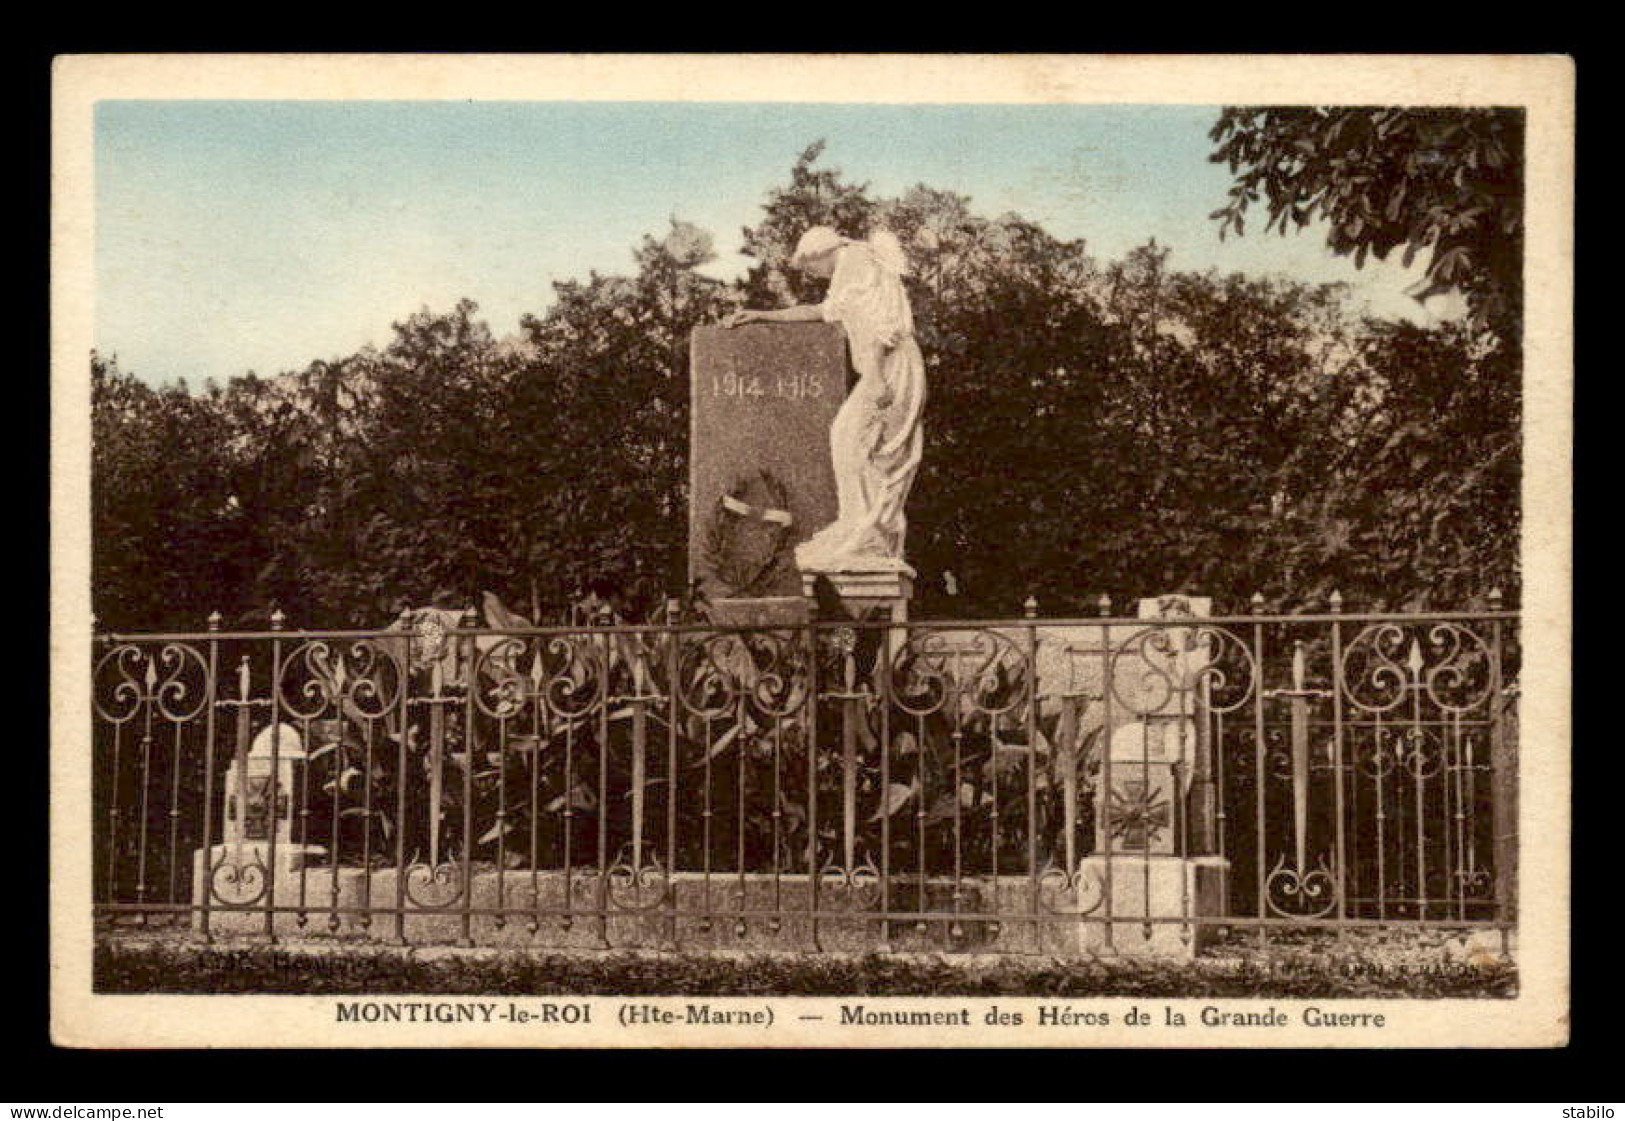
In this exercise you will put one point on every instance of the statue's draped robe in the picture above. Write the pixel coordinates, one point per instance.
(875, 439)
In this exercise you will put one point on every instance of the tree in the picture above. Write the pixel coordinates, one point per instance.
(160, 506)
(1117, 427)
(1448, 182)
(816, 196)
(611, 358)
(424, 503)
(1413, 502)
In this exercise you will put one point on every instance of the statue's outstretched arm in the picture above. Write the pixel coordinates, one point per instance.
(801, 313)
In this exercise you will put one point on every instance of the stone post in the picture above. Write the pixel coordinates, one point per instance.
(1155, 813)
(262, 782)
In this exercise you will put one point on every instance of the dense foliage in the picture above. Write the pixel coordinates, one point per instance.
(1446, 182)
(1093, 427)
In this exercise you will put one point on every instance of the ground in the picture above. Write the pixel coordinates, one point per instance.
(1398, 966)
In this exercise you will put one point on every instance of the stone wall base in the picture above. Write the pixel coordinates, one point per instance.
(1187, 895)
(755, 912)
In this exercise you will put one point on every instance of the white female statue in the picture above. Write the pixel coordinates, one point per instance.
(876, 438)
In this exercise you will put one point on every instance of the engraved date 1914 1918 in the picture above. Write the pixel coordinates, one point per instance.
(788, 387)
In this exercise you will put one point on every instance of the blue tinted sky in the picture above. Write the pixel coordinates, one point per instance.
(262, 235)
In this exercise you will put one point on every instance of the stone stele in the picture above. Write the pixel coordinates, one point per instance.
(762, 399)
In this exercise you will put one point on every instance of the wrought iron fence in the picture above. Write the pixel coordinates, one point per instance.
(1099, 784)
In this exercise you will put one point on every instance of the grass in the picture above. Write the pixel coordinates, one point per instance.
(156, 967)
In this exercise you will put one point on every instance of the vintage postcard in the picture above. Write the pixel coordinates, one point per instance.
(840, 551)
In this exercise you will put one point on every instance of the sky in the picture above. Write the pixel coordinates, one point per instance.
(260, 235)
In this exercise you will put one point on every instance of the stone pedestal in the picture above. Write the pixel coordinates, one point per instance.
(866, 594)
(1190, 890)
(1155, 814)
(762, 611)
(1157, 748)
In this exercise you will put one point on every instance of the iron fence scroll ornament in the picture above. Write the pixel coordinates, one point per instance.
(930, 776)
